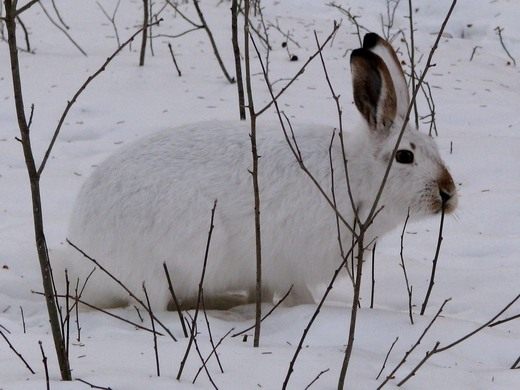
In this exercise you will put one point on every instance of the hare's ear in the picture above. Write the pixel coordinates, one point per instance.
(374, 92)
(383, 49)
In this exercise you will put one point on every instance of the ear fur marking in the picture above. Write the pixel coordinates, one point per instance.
(374, 92)
(383, 49)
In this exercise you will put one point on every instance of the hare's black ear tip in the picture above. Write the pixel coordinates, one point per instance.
(358, 53)
(370, 40)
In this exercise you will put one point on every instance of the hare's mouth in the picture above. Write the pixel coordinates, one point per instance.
(449, 205)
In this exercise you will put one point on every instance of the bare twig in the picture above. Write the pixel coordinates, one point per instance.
(132, 295)
(110, 314)
(144, 31)
(504, 320)
(112, 19)
(16, 352)
(174, 60)
(373, 287)
(175, 301)
(474, 51)
(199, 295)
(403, 360)
(44, 360)
(34, 179)
(23, 319)
(386, 358)
(317, 377)
(212, 41)
(59, 15)
(434, 266)
(352, 18)
(412, 61)
(499, 30)
(213, 351)
(403, 266)
(267, 314)
(25, 7)
(64, 31)
(93, 386)
(156, 351)
(193, 331)
(300, 71)
(71, 102)
(254, 175)
(516, 364)
(238, 65)
(436, 349)
(26, 35)
(210, 333)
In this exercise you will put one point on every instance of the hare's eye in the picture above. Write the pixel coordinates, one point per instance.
(404, 156)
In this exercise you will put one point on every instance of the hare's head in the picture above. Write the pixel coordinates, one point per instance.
(418, 180)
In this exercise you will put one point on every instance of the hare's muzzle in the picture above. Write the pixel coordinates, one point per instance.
(447, 192)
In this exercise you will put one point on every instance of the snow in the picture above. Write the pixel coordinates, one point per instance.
(477, 116)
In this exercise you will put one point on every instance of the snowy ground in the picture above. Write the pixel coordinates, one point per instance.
(477, 116)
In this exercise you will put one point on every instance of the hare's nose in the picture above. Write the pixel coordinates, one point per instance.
(445, 195)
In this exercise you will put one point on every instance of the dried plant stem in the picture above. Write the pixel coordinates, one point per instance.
(267, 314)
(64, 31)
(23, 319)
(93, 386)
(213, 351)
(156, 351)
(403, 360)
(499, 30)
(71, 102)
(434, 266)
(403, 266)
(504, 320)
(412, 61)
(212, 41)
(386, 358)
(144, 31)
(175, 301)
(130, 293)
(16, 352)
(210, 334)
(44, 360)
(254, 174)
(373, 287)
(193, 326)
(437, 349)
(174, 60)
(238, 63)
(316, 378)
(34, 178)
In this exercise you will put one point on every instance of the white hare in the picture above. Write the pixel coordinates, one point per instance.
(150, 202)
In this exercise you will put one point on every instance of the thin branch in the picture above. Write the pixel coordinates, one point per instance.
(156, 351)
(23, 319)
(373, 286)
(300, 71)
(434, 266)
(403, 360)
(174, 60)
(403, 266)
(386, 358)
(238, 65)
(199, 295)
(267, 314)
(93, 386)
(44, 360)
(175, 301)
(16, 352)
(317, 377)
(25, 7)
(59, 15)
(122, 285)
(213, 351)
(210, 333)
(193, 331)
(62, 29)
(212, 41)
(505, 320)
(110, 314)
(71, 102)
(499, 30)
(144, 30)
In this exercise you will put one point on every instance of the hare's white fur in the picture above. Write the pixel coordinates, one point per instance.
(150, 203)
